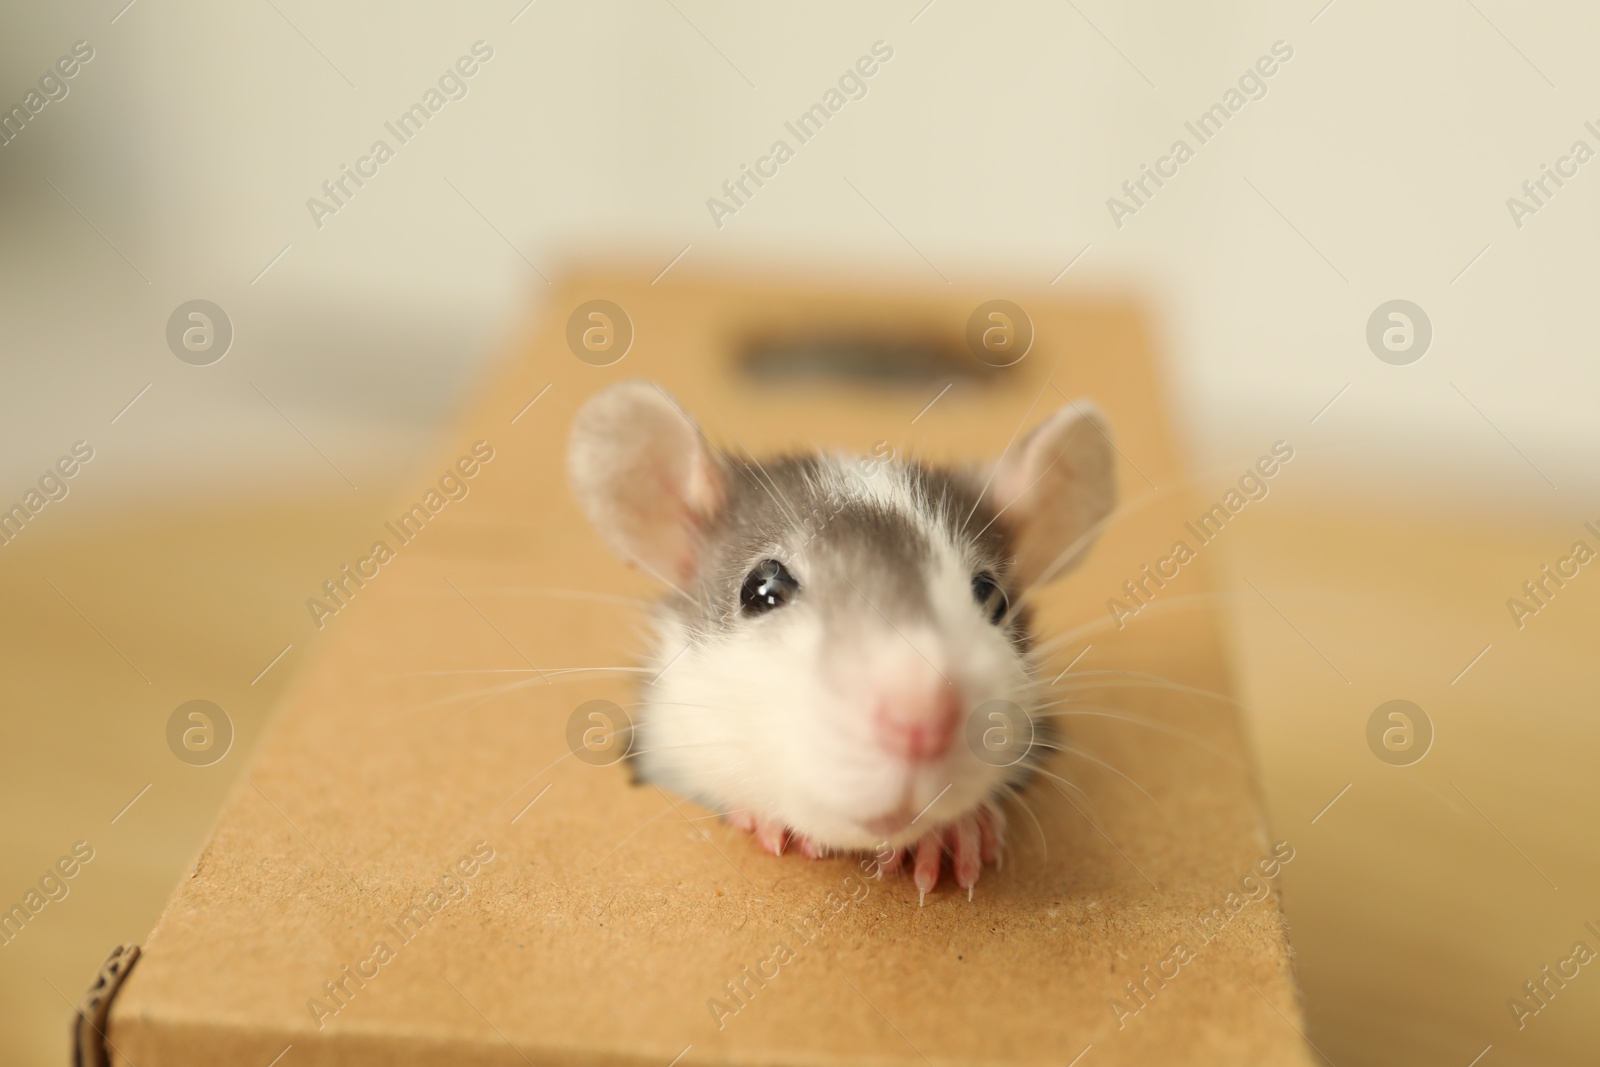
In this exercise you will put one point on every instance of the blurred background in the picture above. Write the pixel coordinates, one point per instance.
(1376, 163)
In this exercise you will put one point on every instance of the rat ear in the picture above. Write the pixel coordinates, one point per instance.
(1055, 490)
(645, 477)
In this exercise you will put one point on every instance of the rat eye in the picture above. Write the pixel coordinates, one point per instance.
(769, 586)
(990, 597)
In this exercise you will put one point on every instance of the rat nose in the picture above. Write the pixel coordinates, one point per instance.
(918, 728)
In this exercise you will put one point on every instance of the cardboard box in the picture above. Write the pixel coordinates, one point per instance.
(415, 868)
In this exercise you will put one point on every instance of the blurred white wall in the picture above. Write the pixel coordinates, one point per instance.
(1376, 166)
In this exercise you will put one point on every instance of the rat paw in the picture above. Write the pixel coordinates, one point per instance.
(775, 837)
(970, 841)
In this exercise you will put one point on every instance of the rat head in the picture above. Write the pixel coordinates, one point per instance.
(844, 635)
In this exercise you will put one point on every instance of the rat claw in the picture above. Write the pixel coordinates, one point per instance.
(991, 828)
(891, 862)
(771, 836)
(775, 837)
(972, 841)
(925, 868)
(964, 859)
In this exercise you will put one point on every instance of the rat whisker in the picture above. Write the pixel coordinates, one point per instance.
(1107, 712)
(1069, 784)
(1080, 544)
(1122, 509)
(1013, 500)
(468, 670)
(567, 594)
(1082, 630)
(686, 744)
(1141, 680)
(1115, 672)
(662, 578)
(1062, 558)
(488, 693)
(1113, 679)
(1084, 754)
(718, 815)
(543, 676)
(1016, 794)
(522, 670)
(994, 467)
(769, 485)
(681, 704)
(1183, 602)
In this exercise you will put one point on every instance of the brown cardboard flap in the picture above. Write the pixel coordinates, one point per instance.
(89, 1028)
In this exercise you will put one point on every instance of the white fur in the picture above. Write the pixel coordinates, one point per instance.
(776, 718)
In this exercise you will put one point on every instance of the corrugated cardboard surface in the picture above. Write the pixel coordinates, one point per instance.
(610, 914)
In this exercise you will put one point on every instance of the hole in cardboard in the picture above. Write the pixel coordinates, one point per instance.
(861, 358)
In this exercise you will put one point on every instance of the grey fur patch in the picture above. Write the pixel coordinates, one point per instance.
(844, 542)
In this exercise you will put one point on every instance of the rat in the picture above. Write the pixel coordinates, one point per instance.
(843, 660)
